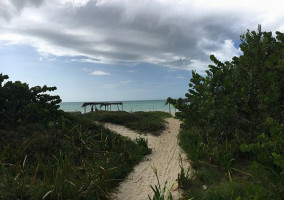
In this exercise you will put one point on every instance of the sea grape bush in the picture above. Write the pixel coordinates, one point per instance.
(240, 105)
(20, 104)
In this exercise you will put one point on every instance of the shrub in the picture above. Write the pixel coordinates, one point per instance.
(236, 114)
(20, 105)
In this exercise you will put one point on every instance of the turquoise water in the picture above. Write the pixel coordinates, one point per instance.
(129, 106)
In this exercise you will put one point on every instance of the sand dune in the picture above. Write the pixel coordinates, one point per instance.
(165, 158)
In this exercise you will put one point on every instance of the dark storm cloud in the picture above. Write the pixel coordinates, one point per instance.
(19, 4)
(11, 8)
(177, 34)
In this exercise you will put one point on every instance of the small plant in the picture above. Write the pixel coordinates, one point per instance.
(159, 192)
(183, 180)
(142, 142)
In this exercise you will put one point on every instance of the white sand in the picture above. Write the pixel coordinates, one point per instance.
(164, 157)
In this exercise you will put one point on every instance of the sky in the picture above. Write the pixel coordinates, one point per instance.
(110, 50)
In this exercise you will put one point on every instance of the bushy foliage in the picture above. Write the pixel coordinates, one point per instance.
(20, 104)
(48, 154)
(236, 113)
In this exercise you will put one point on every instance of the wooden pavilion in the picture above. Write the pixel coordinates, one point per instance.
(107, 105)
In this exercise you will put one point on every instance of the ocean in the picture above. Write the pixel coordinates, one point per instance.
(129, 106)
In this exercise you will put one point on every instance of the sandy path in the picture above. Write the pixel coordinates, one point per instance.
(164, 157)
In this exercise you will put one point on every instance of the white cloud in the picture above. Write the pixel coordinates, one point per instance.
(99, 73)
(226, 51)
(177, 34)
(75, 3)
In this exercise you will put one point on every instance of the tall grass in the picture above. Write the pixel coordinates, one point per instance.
(74, 159)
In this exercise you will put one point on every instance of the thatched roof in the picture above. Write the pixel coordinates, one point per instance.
(101, 103)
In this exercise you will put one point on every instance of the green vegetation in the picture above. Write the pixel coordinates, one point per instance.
(160, 193)
(49, 154)
(183, 179)
(20, 104)
(233, 128)
(145, 122)
(142, 142)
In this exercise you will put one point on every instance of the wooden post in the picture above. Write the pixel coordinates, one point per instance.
(117, 107)
(110, 107)
(122, 106)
